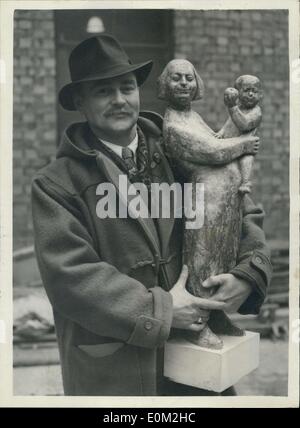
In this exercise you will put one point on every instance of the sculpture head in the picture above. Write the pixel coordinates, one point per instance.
(179, 84)
(250, 90)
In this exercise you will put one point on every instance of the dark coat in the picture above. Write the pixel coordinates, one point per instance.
(108, 279)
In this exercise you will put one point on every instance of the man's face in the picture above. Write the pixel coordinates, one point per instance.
(181, 83)
(249, 93)
(110, 106)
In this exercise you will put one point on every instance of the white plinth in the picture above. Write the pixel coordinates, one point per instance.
(214, 370)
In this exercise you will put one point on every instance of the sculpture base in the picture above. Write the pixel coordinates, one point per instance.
(210, 369)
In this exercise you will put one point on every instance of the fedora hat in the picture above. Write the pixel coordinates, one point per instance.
(98, 58)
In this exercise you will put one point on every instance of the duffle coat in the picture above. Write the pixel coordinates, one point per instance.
(108, 278)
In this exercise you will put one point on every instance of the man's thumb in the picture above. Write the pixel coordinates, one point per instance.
(213, 281)
(183, 276)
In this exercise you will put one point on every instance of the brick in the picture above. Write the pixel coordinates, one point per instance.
(49, 63)
(268, 50)
(256, 16)
(25, 42)
(245, 50)
(39, 90)
(223, 41)
(42, 15)
(25, 24)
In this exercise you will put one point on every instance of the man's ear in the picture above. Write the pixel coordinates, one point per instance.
(77, 99)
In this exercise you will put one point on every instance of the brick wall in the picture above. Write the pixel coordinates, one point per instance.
(223, 45)
(34, 117)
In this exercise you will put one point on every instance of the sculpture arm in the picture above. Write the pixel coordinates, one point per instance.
(221, 133)
(203, 148)
(254, 263)
(245, 122)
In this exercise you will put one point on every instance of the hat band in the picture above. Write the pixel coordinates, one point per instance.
(107, 72)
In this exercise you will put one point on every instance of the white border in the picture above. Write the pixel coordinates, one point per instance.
(6, 48)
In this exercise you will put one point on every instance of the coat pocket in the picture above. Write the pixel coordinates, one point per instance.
(102, 349)
(104, 370)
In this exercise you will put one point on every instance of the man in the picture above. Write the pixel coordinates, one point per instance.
(115, 283)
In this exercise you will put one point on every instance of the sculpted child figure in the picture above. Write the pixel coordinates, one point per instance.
(202, 157)
(244, 116)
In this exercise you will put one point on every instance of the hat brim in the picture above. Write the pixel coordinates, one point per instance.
(141, 72)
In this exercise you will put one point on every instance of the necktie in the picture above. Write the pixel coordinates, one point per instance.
(128, 157)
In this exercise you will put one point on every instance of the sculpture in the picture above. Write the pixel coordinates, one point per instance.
(244, 116)
(202, 157)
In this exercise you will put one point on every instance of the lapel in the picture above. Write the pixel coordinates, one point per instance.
(108, 162)
(164, 225)
(112, 173)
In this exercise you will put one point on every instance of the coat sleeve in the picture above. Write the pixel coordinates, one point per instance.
(86, 290)
(254, 263)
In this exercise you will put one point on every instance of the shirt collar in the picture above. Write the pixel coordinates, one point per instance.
(118, 149)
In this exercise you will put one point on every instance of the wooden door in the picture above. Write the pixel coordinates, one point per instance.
(144, 34)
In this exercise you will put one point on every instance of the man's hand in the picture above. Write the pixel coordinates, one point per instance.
(231, 290)
(187, 309)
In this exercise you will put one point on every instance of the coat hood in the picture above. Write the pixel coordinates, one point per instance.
(74, 139)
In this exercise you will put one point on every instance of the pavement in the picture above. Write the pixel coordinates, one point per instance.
(269, 379)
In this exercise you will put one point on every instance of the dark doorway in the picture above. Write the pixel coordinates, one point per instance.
(144, 34)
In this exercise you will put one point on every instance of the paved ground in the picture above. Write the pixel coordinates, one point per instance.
(270, 379)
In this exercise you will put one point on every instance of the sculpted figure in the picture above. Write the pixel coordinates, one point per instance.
(244, 116)
(202, 157)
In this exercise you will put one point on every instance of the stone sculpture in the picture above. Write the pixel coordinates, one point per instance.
(201, 156)
(244, 116)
